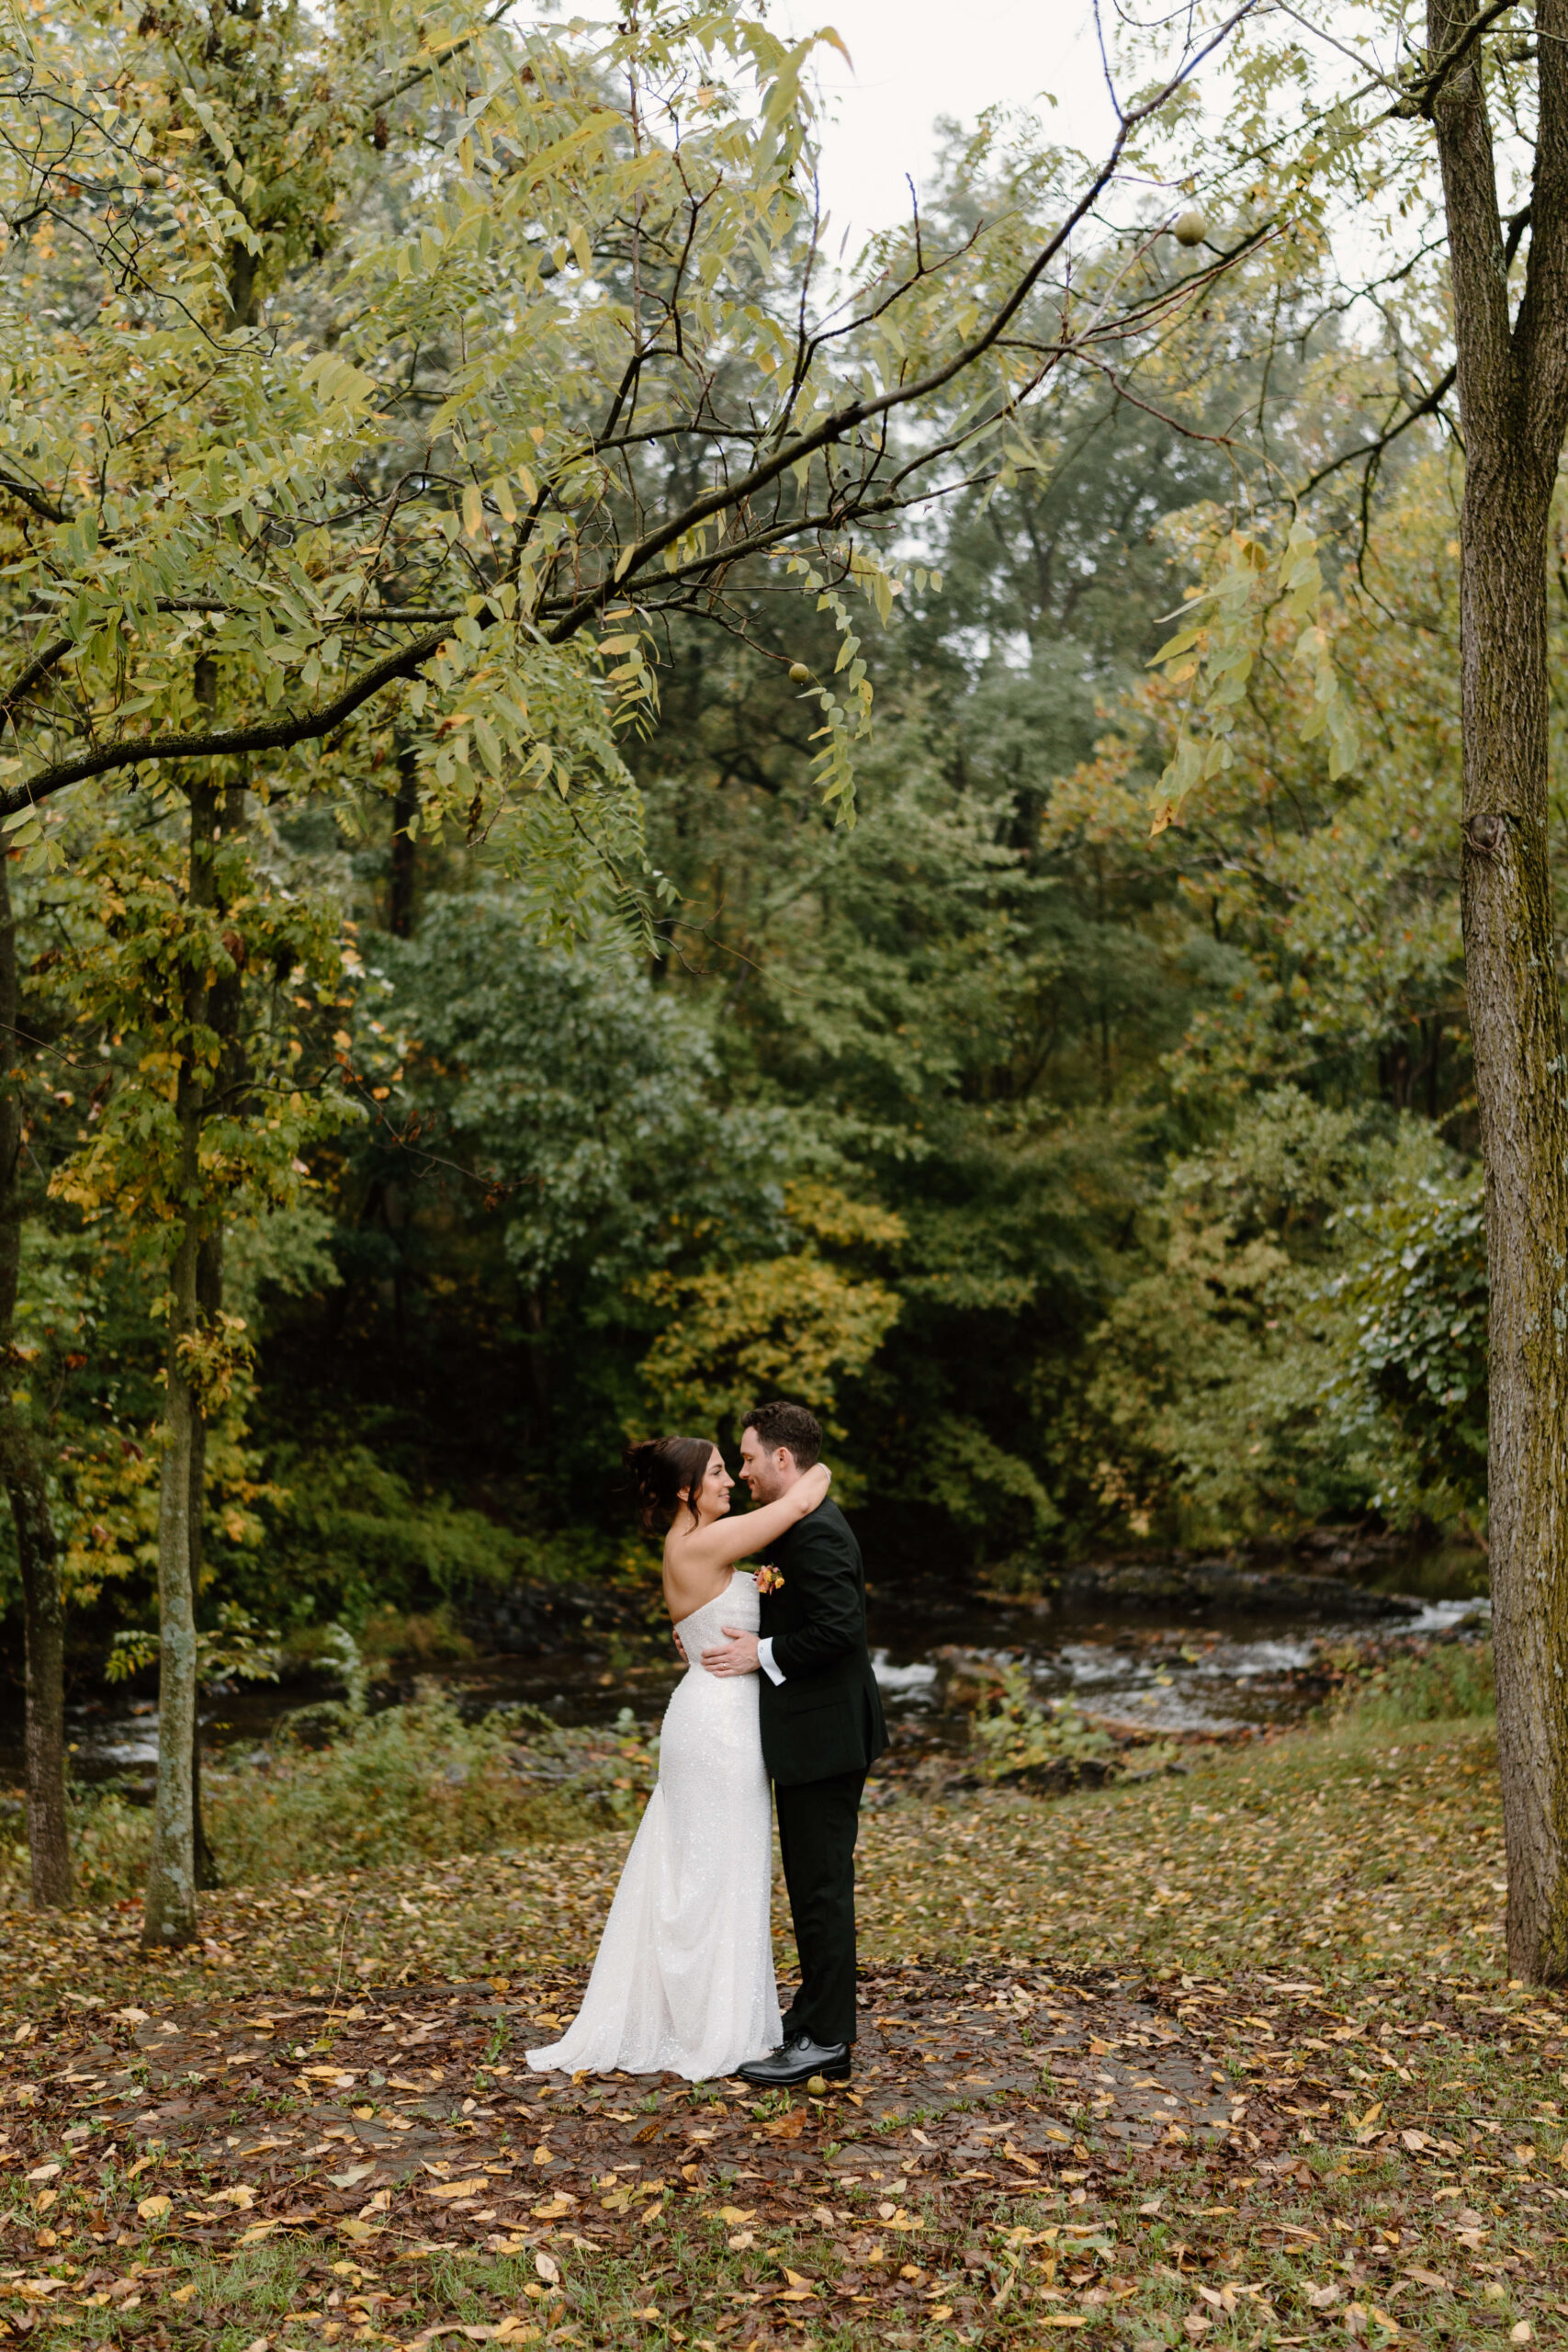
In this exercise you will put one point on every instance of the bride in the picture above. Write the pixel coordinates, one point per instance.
(684, 1979)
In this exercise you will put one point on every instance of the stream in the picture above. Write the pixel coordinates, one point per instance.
(1214, 1663)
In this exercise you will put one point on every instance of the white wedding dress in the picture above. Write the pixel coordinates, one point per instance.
(684, 1979)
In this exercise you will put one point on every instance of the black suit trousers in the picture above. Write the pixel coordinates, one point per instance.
(818, 1822)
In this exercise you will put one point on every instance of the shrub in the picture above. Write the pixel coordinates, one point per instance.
(354, 1537)
(342, 1789)
(1453, 1681)
(1019, 1738)
(420, 1782)
(111, 1844)
(416, 1781)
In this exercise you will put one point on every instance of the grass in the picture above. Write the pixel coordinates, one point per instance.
(1310, 1926)
(1445, 1680)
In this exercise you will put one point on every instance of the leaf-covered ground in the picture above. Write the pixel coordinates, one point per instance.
(1222, 2060)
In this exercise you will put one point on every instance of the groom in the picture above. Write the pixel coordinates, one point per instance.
(822, 1728)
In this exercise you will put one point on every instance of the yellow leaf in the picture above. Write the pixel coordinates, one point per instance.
(152, 2208)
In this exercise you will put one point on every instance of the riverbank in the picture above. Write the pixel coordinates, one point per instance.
(1185, 1649)
(1229, 2058)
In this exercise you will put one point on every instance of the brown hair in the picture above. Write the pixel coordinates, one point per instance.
(666, 1472)
(791, 1426)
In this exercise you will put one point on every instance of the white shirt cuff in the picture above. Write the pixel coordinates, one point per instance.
(765, 1660)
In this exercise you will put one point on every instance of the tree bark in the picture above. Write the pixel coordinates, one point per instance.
(38, 1547)
(170, 1913)
(1513, 389)
(209, 1300)
(223, 1011)
(43, 1616)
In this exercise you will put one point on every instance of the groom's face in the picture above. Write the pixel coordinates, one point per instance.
(767, 1474)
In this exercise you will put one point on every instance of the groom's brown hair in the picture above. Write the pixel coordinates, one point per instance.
(790, 1425)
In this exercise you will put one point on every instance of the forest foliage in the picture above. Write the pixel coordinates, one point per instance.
(1099, 1190)
(1087, 1131)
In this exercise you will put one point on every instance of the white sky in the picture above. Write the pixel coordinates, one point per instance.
(917, 58)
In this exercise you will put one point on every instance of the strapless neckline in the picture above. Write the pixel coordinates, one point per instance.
(737, 1576)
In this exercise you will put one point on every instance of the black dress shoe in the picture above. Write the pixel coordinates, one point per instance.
(795, 2060)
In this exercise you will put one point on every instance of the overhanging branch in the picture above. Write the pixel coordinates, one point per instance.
(731, 497)
(217, 743)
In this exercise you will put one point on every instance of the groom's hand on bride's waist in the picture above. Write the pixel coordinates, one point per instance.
(736, 1654)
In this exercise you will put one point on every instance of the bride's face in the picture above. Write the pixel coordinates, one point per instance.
(713, 1495)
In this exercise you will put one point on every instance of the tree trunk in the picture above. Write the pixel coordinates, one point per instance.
(1517, 1025)
(38, 1547)
(209, 1299)
(170, 1915)
(43, 1618)
(223, 1011)
(1513, 386)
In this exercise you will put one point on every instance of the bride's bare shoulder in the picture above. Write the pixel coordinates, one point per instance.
(688, 1588)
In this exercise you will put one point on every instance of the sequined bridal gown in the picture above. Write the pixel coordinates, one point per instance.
(684, 1979)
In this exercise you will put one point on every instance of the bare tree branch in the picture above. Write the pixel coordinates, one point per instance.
(217, 743)
(1424, 88)
(1426, 407)
(34, 671)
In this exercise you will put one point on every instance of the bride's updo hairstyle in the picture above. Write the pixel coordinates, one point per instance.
(666, 1473)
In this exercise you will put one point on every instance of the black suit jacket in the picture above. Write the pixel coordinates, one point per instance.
(824, 1718)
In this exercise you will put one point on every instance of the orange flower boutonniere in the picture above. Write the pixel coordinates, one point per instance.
(768, 1580)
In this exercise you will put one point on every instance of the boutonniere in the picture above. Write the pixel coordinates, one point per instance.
(768, 1580)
